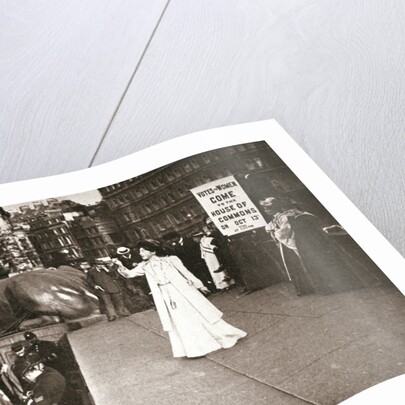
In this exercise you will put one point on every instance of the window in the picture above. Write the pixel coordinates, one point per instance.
(206, 178)
(250, 164)
(161, 225)
(218, 174)
(171, 197)
(68, 240)
(176, 172)
(135, 214)
(184, 214)
(275, 184)
(193, 210)
(206, 159)
(259, 162)
(182, 190)
(176, 217)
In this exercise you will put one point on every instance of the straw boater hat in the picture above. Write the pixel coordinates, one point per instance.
(208, 221)
(123, 250)
(267, 202)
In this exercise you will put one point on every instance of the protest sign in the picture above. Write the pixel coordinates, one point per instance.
(228, 205)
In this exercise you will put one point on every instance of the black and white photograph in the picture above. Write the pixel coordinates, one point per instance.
(218, 278)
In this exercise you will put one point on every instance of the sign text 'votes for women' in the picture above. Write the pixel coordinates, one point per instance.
(228, 205)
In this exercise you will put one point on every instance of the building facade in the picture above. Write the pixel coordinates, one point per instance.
(65, 231)
(17, 253)
(54, 239)
(153, 204)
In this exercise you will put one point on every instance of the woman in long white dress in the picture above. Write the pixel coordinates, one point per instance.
(195, 326)
(207, 247)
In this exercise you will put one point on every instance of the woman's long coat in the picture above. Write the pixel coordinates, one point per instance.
(185, 283)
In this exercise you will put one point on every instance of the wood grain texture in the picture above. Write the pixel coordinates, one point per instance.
(64, 66)
(330, 72)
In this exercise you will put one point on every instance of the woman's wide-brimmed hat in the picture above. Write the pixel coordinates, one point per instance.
(267, 202)
(152, 245)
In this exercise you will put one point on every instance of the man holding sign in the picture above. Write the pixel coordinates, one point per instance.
(236, 217)
(229, 207)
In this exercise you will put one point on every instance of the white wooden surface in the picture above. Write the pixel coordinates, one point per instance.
(64, 66)
(331, 72)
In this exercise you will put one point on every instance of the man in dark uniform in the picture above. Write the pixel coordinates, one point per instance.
(47, 350)
(20, 350)
(47, 385)
(188, 251)
(107, 290)
(10, 384)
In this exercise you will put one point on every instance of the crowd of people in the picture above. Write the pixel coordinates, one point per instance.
(300, 251)
(204, 259)
(180, 272)
(36, 374)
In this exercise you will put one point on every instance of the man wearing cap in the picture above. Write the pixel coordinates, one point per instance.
(47, 350)
(107, 290)
(10, 384)
(125, 256)
(189, 253)
(47, 385)
(20, 351)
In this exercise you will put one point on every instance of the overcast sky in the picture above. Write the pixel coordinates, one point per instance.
(89, 197)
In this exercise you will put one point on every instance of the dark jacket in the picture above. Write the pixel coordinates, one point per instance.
(49, 387)
(128, 262)
(188, 252)
(48, 351)
(102, 279)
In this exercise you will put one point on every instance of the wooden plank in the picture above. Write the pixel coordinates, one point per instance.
(330, 72)
(64, 66)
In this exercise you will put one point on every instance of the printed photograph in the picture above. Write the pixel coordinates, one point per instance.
(218, 278)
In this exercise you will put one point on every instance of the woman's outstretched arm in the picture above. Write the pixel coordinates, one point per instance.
(137, 271)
